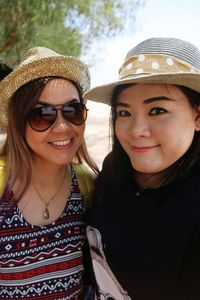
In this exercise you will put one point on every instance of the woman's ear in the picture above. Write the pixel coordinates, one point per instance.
(197, 118)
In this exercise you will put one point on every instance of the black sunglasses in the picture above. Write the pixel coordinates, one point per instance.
(42, 118)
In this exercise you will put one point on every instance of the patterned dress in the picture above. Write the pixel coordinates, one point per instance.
(43, 262)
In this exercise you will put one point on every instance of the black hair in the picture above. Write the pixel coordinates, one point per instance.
(120, 162)
(4, 70)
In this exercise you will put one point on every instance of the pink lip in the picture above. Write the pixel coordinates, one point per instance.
(62, 147)
(142, 149)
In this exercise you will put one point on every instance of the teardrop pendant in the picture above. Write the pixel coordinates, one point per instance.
(46, 214)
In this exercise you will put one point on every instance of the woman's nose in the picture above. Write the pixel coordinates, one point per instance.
(139, 128)
(60, 122)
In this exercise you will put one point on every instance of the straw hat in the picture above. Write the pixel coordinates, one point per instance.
(41, 62)
(155, 60)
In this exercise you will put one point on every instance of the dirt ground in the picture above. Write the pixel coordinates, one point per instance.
(97, 131)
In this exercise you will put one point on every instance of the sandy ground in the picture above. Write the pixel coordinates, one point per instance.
(96, 133)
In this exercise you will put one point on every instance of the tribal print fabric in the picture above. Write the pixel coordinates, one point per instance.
(43, 262)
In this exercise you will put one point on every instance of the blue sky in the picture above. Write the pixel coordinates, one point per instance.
(172, 18)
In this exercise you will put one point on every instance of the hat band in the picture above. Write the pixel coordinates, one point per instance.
(152, 64)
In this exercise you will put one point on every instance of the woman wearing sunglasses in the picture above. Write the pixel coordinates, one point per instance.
(42, 211)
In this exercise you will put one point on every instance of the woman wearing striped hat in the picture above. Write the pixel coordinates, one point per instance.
(147, 205)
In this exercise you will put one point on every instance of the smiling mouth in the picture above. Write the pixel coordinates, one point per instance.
(61, 143)
(143, 149)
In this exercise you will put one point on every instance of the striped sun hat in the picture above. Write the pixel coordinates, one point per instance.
(155, 60)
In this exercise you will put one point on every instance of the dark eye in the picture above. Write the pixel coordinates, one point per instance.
(123, 113)
(157, 111)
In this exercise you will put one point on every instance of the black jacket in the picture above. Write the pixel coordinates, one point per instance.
(151, 241)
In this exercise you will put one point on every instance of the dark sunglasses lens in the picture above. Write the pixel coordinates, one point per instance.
(76, 113)
(41, 118)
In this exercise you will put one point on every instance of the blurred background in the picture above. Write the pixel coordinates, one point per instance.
(99, 32)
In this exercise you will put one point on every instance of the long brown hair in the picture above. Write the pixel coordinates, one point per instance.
(16, 152)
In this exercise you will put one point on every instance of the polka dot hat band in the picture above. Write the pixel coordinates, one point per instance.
(153, 63)
(156, 60)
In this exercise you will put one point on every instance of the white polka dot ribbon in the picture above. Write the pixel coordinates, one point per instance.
(152, 64)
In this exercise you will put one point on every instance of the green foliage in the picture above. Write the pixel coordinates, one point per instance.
(66, 26)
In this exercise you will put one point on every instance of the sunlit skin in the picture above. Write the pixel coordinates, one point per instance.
(155, 125)
(59, 144)
(52, 151)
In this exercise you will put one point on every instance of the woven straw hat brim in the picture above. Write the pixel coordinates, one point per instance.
(67, 67)
(103, 93)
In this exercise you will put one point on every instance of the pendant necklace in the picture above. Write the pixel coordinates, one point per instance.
(46, 214)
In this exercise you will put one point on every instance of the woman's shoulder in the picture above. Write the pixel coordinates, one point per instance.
(107, 168)
(190, 185)
(85, 182)
(2, 174)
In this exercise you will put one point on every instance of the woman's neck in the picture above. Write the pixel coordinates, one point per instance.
(48, 173)
(145, 180)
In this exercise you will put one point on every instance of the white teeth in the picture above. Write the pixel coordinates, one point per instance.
(61, 143)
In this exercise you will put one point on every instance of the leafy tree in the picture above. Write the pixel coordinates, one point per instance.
(67, 26)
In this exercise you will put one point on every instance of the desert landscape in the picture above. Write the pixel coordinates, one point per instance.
(97, 131)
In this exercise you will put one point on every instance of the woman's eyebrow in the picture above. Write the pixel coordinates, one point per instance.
(48, 104)
(159, 98)
(149, 100)
(122, 104)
